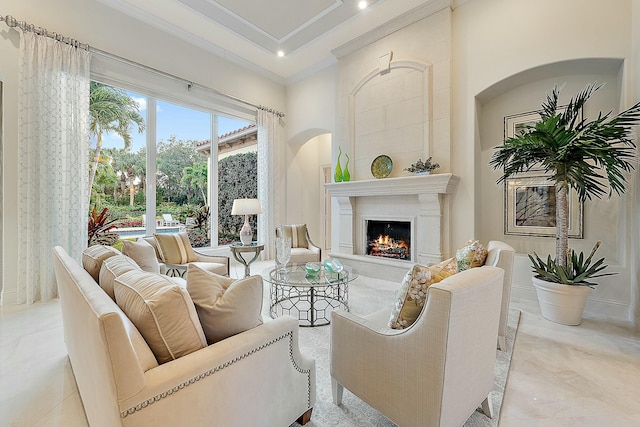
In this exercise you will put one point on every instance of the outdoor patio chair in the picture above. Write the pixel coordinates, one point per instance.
(169, 221)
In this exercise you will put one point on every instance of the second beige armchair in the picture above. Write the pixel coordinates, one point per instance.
(437, 371)
(303, 250)
(501, 255)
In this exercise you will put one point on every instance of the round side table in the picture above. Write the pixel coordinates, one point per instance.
(237, 249)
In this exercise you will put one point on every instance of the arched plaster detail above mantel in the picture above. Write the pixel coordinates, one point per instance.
(425, 68)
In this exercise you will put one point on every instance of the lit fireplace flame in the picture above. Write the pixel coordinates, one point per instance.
(386, 246)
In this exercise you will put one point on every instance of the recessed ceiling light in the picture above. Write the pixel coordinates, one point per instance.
(362, 4)
(280, 53)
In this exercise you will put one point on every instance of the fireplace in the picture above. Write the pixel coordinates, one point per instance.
(422, 201)
(388, 239)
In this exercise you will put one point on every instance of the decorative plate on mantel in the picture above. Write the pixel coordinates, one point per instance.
(381, 166)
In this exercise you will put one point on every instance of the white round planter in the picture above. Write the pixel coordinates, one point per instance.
(561, 303)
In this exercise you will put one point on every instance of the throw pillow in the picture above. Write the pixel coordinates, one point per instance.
(94, 256)
(153, 242)
(298, 234)
(412, 295)
(142, 253)
(113, 267)
(175, 248)
(472, 254)
(225, 306)
(163, 313)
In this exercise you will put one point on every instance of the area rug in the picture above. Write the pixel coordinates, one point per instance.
(367, 295)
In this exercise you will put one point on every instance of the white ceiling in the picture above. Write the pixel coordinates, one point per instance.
(250, 32)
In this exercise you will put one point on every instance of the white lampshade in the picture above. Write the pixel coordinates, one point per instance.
(246, 207)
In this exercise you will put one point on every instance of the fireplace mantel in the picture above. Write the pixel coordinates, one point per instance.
(440, 183)
(425, 199)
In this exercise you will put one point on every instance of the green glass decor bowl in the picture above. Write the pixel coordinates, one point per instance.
(333, 265)
(312, 268)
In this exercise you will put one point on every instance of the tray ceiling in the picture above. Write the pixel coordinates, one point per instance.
(251, 32)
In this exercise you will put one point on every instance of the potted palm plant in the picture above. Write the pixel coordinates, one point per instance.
(588, 156)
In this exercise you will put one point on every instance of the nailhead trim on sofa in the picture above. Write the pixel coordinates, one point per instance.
(221, 367)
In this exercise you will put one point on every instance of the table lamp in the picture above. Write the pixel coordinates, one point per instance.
(246, 207)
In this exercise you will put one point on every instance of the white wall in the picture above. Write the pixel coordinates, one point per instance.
(502, 63)
(310, 129)
(390, 100)
(635, 206)
(305, 189)
(106, 29)
(311, 106)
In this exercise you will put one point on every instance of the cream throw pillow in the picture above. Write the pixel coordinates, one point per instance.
(298, 234)
(175, 248)
(113, 267)
(94, 256)
(225, 306)
(472, 254)
(163, 313)
(143, 254)
(412, 295)
(153, 242)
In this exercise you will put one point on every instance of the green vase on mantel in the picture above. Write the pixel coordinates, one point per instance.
(337, 177)
(346, 176)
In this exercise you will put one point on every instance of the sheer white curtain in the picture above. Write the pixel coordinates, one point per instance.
(53, 152)
(270, 185)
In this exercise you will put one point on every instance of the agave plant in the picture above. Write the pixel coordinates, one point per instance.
(576, 272)
(592, 157)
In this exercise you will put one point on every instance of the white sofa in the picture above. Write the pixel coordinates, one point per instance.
(257, 377)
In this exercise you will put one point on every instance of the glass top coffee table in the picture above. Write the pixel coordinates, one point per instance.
(309, 298)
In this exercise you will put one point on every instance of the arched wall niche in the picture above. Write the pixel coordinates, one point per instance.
(308, 154)
(604, 220)
(390, 112)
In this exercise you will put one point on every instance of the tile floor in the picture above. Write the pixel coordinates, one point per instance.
(587, 375)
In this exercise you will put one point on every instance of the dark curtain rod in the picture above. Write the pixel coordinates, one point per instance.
(11, 22)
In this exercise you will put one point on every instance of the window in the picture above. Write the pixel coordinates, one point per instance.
(173, 143)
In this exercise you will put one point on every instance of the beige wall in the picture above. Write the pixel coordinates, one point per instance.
(305, 191)
(505, 64)
(311, 116)
(377, 112)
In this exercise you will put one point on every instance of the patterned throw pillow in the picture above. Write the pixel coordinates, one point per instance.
(175, 248)
(473, 254)
(162, 311)
(412, 295)
(225, 306)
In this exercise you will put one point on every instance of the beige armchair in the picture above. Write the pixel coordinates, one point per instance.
(501, 255)
(176, 254)
(437, 371)
(303, 250)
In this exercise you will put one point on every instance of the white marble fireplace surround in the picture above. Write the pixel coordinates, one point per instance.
(425, 200)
